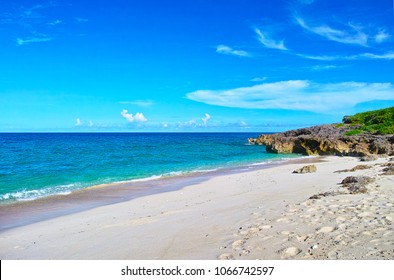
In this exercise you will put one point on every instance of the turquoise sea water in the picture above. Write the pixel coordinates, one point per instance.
(34, 165)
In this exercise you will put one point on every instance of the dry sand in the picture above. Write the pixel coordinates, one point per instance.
(262, 214)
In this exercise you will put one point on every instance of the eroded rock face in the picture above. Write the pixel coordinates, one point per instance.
(326, 140)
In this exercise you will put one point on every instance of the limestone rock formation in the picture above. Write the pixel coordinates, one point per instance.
(326, 140)
(363, 135)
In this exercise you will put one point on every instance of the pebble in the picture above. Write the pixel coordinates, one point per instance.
(326, 229)
(226, 256)
(332, 255)
(265, 227)
(291, 252)
(340, 219)
(283, 220)
(389, 217)
(237, 244)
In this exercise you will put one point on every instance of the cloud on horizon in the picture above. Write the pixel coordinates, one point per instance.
(206, 119)
(138, 117)
(78, 122)
(299, 95)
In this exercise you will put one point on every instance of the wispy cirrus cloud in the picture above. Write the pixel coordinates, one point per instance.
(223, 49)
(81, 20)
(297, 95)
(30, 40)
(354, 35)
(385, 56)
(258, 79)
(361, 56)
(325, 67)
(33, 23)
(55, 22)
(268, 42)
(141, 103)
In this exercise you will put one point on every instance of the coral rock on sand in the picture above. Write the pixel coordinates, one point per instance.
(389, 169)
(369, 158)
(364, 134)
(306, 169)
(356, 184)
(357, 167)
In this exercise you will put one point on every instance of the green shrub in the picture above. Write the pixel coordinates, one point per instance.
(353, 132)
(378, 121)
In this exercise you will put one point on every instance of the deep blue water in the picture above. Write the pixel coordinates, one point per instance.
(34, 165)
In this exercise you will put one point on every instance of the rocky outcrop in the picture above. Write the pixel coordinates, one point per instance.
(326, 140)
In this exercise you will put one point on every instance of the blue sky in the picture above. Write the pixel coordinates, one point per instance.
(201, 65)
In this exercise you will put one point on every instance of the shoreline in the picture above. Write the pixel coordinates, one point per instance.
(21, 213)
(263, 213)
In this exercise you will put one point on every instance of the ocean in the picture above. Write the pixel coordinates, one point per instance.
(35, 165)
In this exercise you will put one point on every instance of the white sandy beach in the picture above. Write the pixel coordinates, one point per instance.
(262, 214)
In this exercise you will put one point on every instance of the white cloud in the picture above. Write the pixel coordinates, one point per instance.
(127, 116)
(353, 36)
(258, 79)
(239, 124)
(195, 124)
(222, 49)
(91, 124)
(55, 22)
(324, 67)
(141, 103)
(78, 122)
(381, 36)
(322, 57)
(206, 119)
(78, 19)
(297, 95)
(384, 56)
(268, 42)
(188, 124)
(21, 42)
(139, 117)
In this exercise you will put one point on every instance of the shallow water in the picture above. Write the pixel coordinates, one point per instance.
(35, 165)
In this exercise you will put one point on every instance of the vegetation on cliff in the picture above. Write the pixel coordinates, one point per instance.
(359, 135)
(377, 122)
